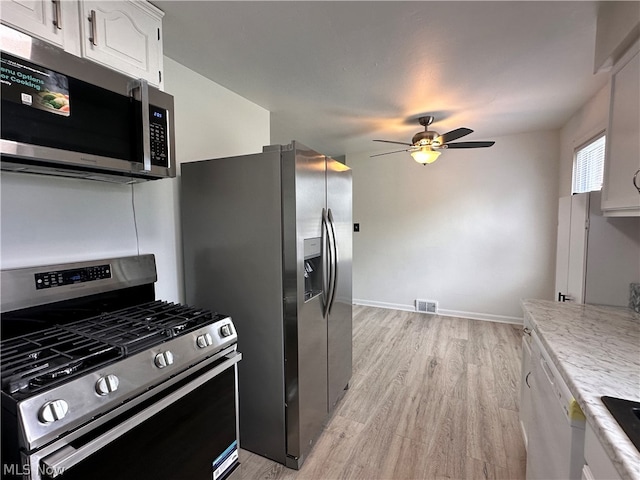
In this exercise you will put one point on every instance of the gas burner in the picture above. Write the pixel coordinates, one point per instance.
(61, 369)
(172, 319)
(37, 361)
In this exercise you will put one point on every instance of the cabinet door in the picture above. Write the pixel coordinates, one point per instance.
(598, 462)
(40, 18)
(620, 197)
(124, 36)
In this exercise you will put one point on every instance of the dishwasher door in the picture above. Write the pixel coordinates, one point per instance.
(526, 385)
(555, 440)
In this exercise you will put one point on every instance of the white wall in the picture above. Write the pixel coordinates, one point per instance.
(49, 220)
(474, 231)
(211, 122)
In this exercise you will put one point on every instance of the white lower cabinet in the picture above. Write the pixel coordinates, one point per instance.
(598, 465)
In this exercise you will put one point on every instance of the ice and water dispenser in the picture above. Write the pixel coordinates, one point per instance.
(312, 267)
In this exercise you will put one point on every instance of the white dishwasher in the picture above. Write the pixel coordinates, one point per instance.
(555, 447)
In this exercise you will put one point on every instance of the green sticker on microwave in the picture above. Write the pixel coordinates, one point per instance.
(34, 86)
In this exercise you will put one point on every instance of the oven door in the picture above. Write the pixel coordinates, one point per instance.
(187, 431)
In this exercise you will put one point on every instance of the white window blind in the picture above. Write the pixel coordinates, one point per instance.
(588, 166)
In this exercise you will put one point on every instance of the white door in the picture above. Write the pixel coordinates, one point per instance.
(562, 247)
(578, 247)
(571, 253)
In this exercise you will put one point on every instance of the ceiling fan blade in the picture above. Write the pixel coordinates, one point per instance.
(469, 144)
(453, 135)
(387, 153)
(391, 141)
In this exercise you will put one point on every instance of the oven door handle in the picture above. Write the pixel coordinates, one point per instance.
(69, 456)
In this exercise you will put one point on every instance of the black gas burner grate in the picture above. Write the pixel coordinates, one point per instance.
(136, 328)
(174, 319)
(38, 360)
(43, 359)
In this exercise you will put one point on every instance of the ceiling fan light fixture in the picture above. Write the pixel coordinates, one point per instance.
(425, 146)
(425, 155)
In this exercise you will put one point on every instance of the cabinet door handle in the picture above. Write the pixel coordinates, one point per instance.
(57, 20)
(635, 183)
(526, 379)
(93, 38)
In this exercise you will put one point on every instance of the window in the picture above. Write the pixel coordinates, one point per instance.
(588, 166)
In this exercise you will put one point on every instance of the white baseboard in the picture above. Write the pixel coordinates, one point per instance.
(445, 313)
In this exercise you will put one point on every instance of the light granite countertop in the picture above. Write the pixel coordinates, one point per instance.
(597, 351)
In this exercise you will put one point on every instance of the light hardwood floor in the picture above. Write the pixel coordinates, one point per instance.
(430, 398)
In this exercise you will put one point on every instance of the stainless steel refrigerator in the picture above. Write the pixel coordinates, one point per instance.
(267, 239)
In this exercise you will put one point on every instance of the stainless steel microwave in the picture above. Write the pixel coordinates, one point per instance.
(66, 116)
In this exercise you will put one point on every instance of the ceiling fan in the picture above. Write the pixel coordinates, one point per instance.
(425, 146)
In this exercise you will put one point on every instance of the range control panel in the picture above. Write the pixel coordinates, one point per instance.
(69, 277)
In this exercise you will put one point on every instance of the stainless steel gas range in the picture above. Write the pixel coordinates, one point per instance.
(100, 380)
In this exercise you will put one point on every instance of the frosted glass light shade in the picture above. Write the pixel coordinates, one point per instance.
(425, 155)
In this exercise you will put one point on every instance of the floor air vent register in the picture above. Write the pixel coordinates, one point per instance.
(426, 306)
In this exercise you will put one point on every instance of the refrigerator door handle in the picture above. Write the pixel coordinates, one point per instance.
(326, 263)
(334, 258)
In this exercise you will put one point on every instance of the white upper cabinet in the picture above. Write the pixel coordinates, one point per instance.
(622, 160)
(125, 36)
(52, 21)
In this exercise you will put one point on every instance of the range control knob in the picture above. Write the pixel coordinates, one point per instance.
(107, 384)
(52, 411)
(225, 330)
(204, 340)
(164, 359)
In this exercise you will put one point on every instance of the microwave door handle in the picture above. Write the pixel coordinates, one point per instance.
(142, 86)
(146, 128)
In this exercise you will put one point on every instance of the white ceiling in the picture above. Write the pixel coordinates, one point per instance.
(336, 75)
